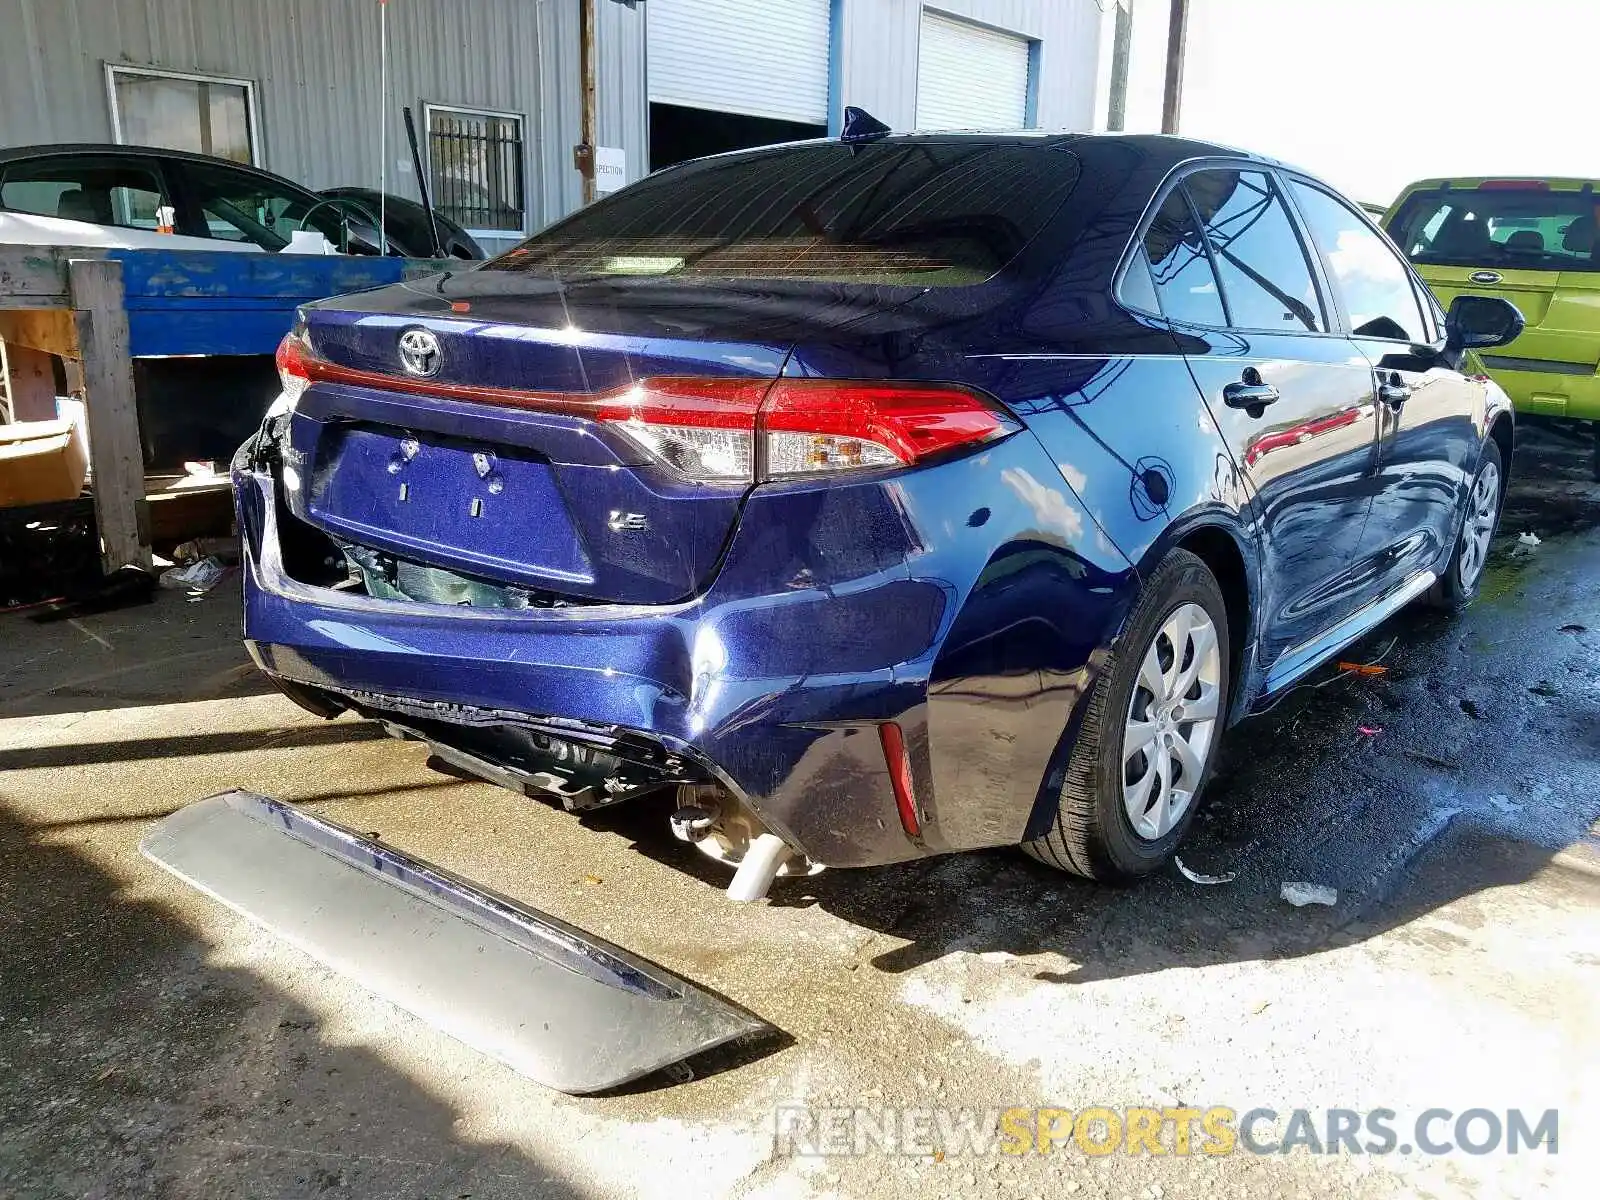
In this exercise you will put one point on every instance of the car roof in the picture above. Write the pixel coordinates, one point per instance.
(66, 149)
(1154, 147)
(1467, 183)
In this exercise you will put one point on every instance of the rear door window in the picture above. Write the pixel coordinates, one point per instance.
(103, 190)
(1516, 226)
(1266, 278)
(1181, 267)
(1371, 279)
(918, 214)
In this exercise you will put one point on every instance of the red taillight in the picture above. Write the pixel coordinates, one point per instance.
(294, 370)
(703, 428)
(1514, 185)
(730, 430)
(812, 426)
(899, 763)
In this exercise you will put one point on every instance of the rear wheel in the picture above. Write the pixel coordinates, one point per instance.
(1461, 578)
(1136, 770)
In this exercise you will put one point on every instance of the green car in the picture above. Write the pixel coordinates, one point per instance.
(1529, 241)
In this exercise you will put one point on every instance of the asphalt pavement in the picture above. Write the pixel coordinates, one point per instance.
(154, 1044)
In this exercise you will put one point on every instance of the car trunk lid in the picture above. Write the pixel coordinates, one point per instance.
(496, 465)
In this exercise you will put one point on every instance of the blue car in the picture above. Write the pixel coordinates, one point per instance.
(866, 499)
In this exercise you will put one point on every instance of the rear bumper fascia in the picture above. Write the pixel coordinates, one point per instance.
(559, 1005)
(1551, 394)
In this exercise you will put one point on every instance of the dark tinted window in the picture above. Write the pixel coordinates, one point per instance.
(1266, 278)
(1182, 269)
(1371, 279)
(1522, 228)
(920, 214)
(240, 207)
(103, 191)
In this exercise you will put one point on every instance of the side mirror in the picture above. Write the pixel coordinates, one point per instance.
(1479, 322)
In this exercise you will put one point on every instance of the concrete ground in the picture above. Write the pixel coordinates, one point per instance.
(153, 1044)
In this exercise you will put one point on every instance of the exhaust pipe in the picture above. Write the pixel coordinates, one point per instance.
(762, 861)
(715, 821)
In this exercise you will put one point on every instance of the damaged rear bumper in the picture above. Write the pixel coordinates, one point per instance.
(647, 685)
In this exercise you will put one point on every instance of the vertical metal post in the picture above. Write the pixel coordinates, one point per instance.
(583, 155)
(383, 127)
(1177, 36)
(1121, 50)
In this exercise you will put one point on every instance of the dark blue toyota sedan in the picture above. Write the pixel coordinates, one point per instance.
(859, 500)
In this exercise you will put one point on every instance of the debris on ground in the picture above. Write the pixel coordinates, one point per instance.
(1369, 730)
(1573, 628)
(1371, 668)
(224, 549)
(126, 585)
(1302, 894)
(198, 577)
(1544, 688)
(1529, 540)
(1207, 880)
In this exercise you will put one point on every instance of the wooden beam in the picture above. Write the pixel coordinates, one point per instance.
(31, 277)
(113, 416)
(50, 330)
(1177, 41)
(32, 379)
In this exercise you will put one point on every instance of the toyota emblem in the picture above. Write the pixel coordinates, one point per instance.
(419, 352)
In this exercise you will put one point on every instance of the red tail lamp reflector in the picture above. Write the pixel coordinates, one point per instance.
(728, 430)
(824, 425)
(899, 763)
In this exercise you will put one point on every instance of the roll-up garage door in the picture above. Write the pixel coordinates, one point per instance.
(969, 77)
(757, 57)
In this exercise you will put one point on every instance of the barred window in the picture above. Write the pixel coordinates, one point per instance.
(475, 168)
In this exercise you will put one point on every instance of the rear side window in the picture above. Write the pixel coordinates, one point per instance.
(1185, 283)
(1515, 226)
(1370, 277)
(102, 191)
(920, 214)
(1266, 277)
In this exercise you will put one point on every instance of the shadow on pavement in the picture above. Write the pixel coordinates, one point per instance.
(164, 652)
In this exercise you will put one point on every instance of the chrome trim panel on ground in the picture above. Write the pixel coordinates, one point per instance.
(559, 1005)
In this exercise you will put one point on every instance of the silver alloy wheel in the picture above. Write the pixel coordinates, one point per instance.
(1172, 721)
(1477, 529)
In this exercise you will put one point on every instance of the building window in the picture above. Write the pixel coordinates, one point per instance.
(179, 111)
(475, 168)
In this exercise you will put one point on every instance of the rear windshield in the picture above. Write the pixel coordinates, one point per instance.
(1532, 230)
(922, 214)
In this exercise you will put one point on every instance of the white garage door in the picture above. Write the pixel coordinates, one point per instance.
(969, 77)
(756, 57)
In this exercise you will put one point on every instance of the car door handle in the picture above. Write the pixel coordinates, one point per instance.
(1250, 392)
(1393, 393)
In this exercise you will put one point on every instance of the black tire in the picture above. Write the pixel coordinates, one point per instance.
(1091, 834)
(1450, 592)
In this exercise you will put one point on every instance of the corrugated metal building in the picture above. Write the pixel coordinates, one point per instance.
(294, 85)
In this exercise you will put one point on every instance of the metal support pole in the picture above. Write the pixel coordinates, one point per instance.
(383, 127)
(1121, 49)
(1177, 36)
(583, 153)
